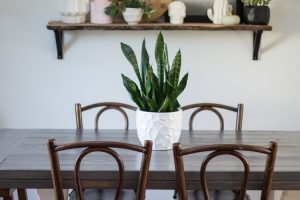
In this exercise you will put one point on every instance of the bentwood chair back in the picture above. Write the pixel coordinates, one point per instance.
(214, 107)
(98, 146)
(103, 106)
(220, 150)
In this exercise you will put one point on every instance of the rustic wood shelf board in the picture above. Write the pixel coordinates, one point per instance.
(56, 25)
(59, 27)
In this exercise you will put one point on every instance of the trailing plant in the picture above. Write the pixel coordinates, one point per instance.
(156, 92)
(256, 2)
(117, 6)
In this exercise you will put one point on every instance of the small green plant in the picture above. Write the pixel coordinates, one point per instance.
(117, 6)
(157, 92)
(256, 2)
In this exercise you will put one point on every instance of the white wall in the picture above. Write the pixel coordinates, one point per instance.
(39, 91)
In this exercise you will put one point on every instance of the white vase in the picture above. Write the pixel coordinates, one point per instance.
(74, 11)
(98, 15)
(163, 129)
(133, 15)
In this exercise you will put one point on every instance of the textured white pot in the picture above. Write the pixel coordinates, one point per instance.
(162, 128)
(74, 11)
(133, 15)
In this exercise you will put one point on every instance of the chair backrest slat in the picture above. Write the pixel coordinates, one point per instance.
(213, 107)
(103, 106)
(225, 149)
(98, 146)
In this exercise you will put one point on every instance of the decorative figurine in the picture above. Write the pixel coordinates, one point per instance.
(221, 8)
(177, 12)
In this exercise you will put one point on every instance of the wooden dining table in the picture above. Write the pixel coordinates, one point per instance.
(24, 160)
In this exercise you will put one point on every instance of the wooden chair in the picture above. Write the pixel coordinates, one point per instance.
(7, 194)
(219, 150)
(213, 107)
(98, 146)
(104, 106)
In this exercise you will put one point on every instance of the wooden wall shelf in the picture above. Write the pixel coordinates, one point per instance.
(59, 28)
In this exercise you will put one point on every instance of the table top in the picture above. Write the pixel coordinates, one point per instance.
(24, 159)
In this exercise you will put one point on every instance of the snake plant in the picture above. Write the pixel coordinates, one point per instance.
(157, 92)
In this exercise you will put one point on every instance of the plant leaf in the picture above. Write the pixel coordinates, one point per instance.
(165, 106)
(144, 60)
(130, 55)
(134, 91)
(160, 59)
(182, 84)
(175, 70)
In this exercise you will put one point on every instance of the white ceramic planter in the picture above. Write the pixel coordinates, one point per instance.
(133, 15)
(162, 128)
(74, 11)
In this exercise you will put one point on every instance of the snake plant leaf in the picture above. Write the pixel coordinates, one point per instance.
(134, 91)
(160, 59)
(176, 105)
(155, 90)
(182, 84)
(167, 69)
(144, 60)
(175, 70)
(130, 55)
(148, 79)
(165, 106)
(151, 104)
(158, 92)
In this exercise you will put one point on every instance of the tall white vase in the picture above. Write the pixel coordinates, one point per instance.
(74, 11)
(163, 129)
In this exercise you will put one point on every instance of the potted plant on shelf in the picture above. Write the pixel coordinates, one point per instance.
(256, 11)
(132, 10)
(159, 116)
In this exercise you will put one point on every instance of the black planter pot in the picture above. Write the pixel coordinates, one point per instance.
(257, 15)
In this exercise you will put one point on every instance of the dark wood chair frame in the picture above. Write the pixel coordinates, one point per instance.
(105, 106)
(98, 146)
(225, 149)
(7, 194)
(213, 107)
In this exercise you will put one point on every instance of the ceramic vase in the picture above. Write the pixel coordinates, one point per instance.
(163, 129)
(133, 15)
(257, 15)
(74, 11)
(98, 15)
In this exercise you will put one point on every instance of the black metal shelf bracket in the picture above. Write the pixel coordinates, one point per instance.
(256, 43)
(59, 37)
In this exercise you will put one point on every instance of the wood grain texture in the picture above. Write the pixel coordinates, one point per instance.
(58, 25)
(26, 164)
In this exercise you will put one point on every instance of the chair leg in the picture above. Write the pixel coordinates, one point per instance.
(22, 194)
(6, 194)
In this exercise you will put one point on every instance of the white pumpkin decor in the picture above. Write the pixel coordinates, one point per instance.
(230, 20)
(221, 8)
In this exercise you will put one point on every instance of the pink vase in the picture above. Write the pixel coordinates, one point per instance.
(98, 15)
